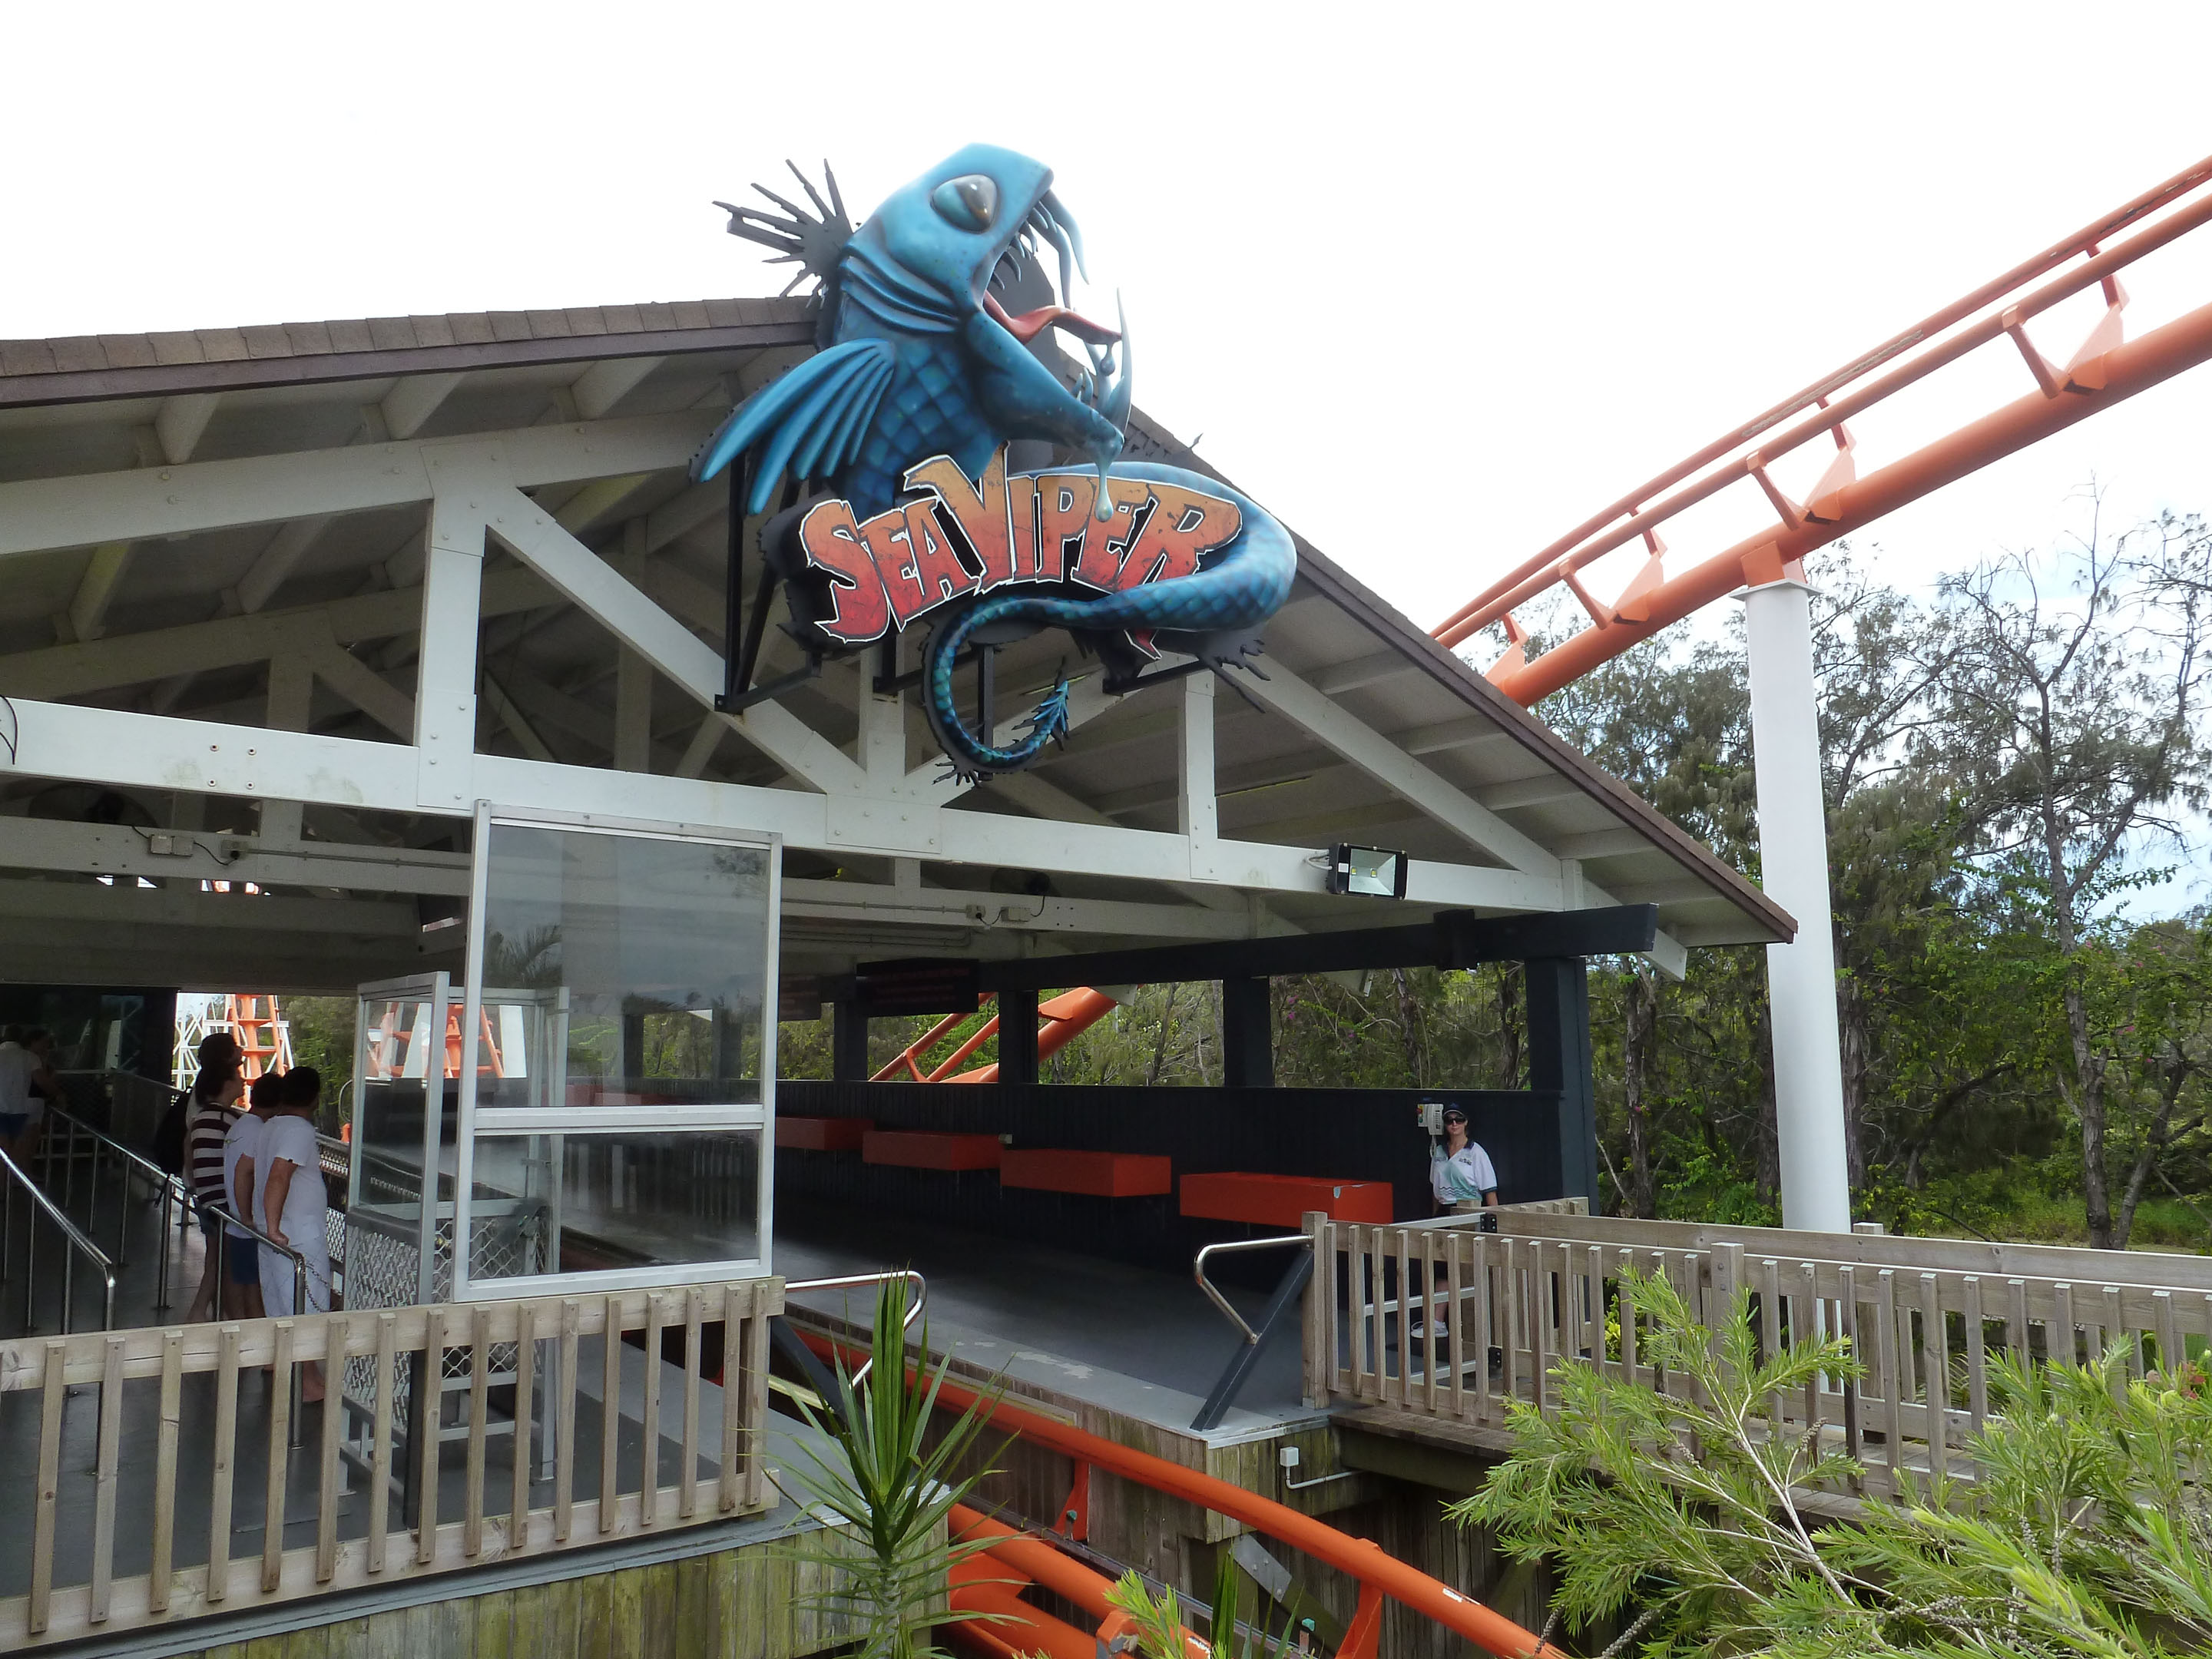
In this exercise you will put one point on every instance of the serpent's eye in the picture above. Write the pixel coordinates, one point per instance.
(971, 203)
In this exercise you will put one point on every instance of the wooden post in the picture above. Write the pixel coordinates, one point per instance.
(1321, 1296)
(165, 1470)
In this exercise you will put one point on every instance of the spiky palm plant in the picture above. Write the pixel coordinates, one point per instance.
(887, 1566)
(1157, 1631)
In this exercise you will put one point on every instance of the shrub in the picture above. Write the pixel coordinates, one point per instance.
(2087, 1529)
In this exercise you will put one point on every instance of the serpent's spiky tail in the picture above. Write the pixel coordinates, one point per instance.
(1245, 585)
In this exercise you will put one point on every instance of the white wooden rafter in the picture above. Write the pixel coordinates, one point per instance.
(70, 742)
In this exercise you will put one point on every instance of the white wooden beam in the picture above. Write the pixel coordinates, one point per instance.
(291, 699)
(70, 671)
(599, 500)
(96, 589)
(446, 684)
(69, 741)
(515, 720)
(549, 705)
(410, 403)
(685, 513)
(632, 711)
(84, 509)
(1475, 733)
(277, 560)
(181, 421)
(364, 688)
(1605, 843)
(936, 907)
(1197, 812)
(94, 849)
(1356, 742)
(185, 907)
(700, 748)
(1530, 791)
(606, 383)
(1360, 670)
(694, 666)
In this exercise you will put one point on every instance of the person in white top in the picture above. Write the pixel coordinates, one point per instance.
(1461, 1174)
(1461, 1177)
(26, 1079)
(241, 1147)
(290, 1200)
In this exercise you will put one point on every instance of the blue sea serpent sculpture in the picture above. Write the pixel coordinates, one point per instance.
(918, 357)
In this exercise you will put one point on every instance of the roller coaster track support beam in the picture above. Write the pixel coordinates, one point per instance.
(1793, 857)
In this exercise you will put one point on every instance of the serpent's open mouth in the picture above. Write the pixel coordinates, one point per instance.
(1103, 387)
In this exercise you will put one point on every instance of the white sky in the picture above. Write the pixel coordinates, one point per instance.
(1516, 258)
(1510, 260)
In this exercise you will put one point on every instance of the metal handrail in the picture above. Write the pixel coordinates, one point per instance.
(1198, 1272)
(854, 1281)
(170, 1185)
(299, 1279)
(70, 1232)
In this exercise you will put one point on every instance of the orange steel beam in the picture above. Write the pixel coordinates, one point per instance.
(1363, 1559)
(983, 1034)
(1067, 1016)
(1538, 571)
(1360, 1558)
(919, 1047)
(2124, 371)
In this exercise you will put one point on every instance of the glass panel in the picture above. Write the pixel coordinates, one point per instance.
(592, 1203)
(408, 1045)
(662, 949)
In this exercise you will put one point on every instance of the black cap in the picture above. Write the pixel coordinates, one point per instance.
(1451, 1112)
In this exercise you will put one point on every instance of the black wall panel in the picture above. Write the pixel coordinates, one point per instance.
(1352, 1134)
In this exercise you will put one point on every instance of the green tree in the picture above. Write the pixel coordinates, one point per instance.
(2070, 705)
(2085, 1531)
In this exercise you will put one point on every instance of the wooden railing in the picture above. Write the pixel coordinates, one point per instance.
(1925, 1316)
(117, 1547)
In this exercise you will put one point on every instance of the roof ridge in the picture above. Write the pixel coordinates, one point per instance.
(76, 354)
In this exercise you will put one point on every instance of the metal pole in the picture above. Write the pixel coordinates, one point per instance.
(161, 1286)
(1793, 852)
(121, 1204)
(298, 1309)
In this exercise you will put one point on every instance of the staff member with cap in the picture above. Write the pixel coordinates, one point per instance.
(1461, 1174)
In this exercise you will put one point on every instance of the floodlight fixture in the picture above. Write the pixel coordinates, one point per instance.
(1378, 872)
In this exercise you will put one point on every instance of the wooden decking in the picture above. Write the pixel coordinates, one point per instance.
(1924, 1317)
(373, 1493)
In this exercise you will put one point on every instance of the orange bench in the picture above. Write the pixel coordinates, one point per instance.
(822, 1135)
(1100, 1175)
(918, 1149)
(1275, 1201)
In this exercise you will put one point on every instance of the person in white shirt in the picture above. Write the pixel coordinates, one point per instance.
(27, 1082)
(1461, 1174)
(241, 1147)
(290, 1203)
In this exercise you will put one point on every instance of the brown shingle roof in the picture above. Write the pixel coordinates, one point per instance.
(101, 365)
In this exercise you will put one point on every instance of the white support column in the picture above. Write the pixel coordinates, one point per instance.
(291, 692)
(633, 673)
(1793, 842)
(880, 746)
(1197, 814)
(446, 677)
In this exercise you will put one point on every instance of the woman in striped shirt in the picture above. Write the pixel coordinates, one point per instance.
(216, 1103)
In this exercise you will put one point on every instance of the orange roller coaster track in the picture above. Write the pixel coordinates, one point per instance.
(2106, 369)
